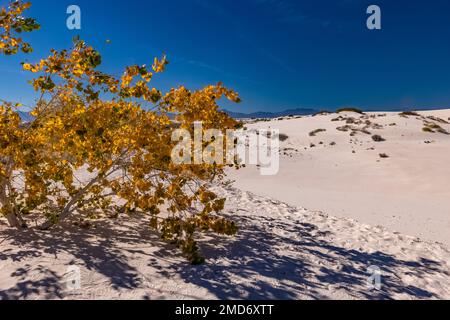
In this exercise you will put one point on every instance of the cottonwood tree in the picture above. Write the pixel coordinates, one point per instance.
(14, 153)
(100, 146)
(13, 23)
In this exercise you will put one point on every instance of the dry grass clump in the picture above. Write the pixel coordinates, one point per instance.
(340, 118)
(283, 137)
(356, 110)
(345, 128)
(409, 113)
(432, 127)
(384, 155)
(321, 113)
(378, 138)
(437, 119)
(315, 132)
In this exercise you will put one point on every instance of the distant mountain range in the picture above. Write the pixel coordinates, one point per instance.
(26, 117)
(262, 114)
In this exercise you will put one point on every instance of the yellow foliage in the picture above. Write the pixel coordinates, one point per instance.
(123, 142)
(11, 23)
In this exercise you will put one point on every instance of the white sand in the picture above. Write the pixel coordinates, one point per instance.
(408, 192)
(282, 251)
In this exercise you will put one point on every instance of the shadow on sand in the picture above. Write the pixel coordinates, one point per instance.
(258, 264)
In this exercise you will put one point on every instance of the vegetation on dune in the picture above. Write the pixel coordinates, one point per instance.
(433, 127)
(123, 143)
(321, 113)
(356, 110)
(283, 137)
(378, 138)
(405, 114)
(315, 132)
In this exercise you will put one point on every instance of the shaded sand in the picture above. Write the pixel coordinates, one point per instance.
(344, 175)
(281, 252)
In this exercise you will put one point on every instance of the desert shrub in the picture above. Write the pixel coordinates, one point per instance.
(384, 156)
(437, 119)
(409, 113)
(345, 128)
(378, 138)
(121, 145)
(315, 132)
(283, 137)
(350, 120)
(321, 113)
(340, 118)
(433, 127)
(356, 110)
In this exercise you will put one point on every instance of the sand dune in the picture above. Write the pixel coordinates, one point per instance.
(281, 252)
(357, 202)
(407, 192)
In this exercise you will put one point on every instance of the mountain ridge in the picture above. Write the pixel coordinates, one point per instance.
(266, 114)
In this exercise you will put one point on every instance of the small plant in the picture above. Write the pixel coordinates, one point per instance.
(283, 137)
(321, 113)
(409, 113)
(356, 110)
(345, 128)
(384, 156)
(378, 138)
(443, 131)
(433, 127)
(437, 119)
(315, 132)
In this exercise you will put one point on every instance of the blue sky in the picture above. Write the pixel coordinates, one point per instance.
(278, 54)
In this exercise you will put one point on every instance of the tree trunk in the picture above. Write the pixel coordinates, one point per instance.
(14, 221)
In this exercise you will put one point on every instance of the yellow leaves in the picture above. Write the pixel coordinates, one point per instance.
(126, 80)
(160, 65)
(33, 68)
(27, 66)
(12, 21)
(113, 89)
(77, 71)
(124, 147)
(14, 42)
(24, 7)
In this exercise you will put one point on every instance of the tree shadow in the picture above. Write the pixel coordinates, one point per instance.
(263, 264)
(94, 249)
(269, 259)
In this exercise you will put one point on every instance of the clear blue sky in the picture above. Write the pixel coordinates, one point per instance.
(277, 54)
